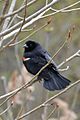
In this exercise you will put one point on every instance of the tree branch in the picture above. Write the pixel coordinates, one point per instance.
(17, 11)
(13, 40)
(61, 10)
(77, 54)
(49, 100)
(36, 16)
(6, 109)
(31, 19)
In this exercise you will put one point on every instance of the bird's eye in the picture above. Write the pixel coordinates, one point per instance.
(30, 45)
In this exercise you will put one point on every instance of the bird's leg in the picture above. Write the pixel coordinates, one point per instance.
(39, 79)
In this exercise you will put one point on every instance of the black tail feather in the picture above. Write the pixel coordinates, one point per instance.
(55, 82)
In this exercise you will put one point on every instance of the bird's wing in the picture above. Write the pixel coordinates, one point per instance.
(48, 58)
(39, 59)
(42, 57)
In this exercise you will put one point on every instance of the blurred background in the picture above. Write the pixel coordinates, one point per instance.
(13, 73)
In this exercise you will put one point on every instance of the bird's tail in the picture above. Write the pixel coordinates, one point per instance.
(55, 81)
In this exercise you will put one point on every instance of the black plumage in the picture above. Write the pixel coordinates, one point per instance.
(34, 58)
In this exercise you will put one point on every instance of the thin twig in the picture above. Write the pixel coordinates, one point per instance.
(50, 99)
(10, 23)
(30, 18)
(61, 10)
(19, 89)
(12, 6)
(6, 22)
(36, 16)
(8, 103)
(17, 11)
(13, 44)
(5, 7)
(55, 108)
(70, 10)
(6, 109)
(74, 101)
(35, 31)
(16, 34)
(20, 111)
(64, 10)
(64, 69)
(51, 113)
(77, 54)
(46, 2)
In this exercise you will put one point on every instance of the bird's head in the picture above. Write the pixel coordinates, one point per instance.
(30, 46)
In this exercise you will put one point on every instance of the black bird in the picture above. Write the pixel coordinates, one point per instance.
(34, 58)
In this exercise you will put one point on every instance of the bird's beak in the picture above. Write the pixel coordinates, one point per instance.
(25, 46)
(25, 59)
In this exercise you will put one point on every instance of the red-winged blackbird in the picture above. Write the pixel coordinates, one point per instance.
(34, 58)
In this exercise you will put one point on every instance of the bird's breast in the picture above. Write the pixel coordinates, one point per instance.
(31, 66)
